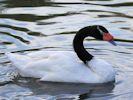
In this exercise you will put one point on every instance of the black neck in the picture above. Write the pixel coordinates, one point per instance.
(78, 43)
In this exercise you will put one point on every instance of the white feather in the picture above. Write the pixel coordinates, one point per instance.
(62, 66)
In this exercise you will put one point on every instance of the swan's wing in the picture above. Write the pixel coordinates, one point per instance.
(37, 69)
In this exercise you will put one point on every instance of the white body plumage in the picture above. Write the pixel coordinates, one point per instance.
(62, 66)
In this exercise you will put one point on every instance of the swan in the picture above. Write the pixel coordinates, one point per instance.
(68, 66)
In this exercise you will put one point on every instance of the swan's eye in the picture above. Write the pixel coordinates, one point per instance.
(100, 30)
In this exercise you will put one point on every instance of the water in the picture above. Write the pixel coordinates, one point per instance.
(33, 25)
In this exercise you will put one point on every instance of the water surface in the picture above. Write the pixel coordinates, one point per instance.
(33, 25)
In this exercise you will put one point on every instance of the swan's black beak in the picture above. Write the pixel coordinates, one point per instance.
(112, 42)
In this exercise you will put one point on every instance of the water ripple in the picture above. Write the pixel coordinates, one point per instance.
(34, 25)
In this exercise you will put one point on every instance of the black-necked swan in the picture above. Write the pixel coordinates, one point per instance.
(65, 66)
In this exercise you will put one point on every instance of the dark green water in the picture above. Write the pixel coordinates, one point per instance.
(33, 25)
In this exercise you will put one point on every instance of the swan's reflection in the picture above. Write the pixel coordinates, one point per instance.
(55, 88)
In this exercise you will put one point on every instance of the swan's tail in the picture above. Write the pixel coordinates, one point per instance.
(17, 59)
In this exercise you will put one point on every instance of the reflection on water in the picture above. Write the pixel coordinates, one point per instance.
(32, 25)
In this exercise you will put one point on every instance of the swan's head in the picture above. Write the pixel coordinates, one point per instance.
(98, 32)
(104, 34)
